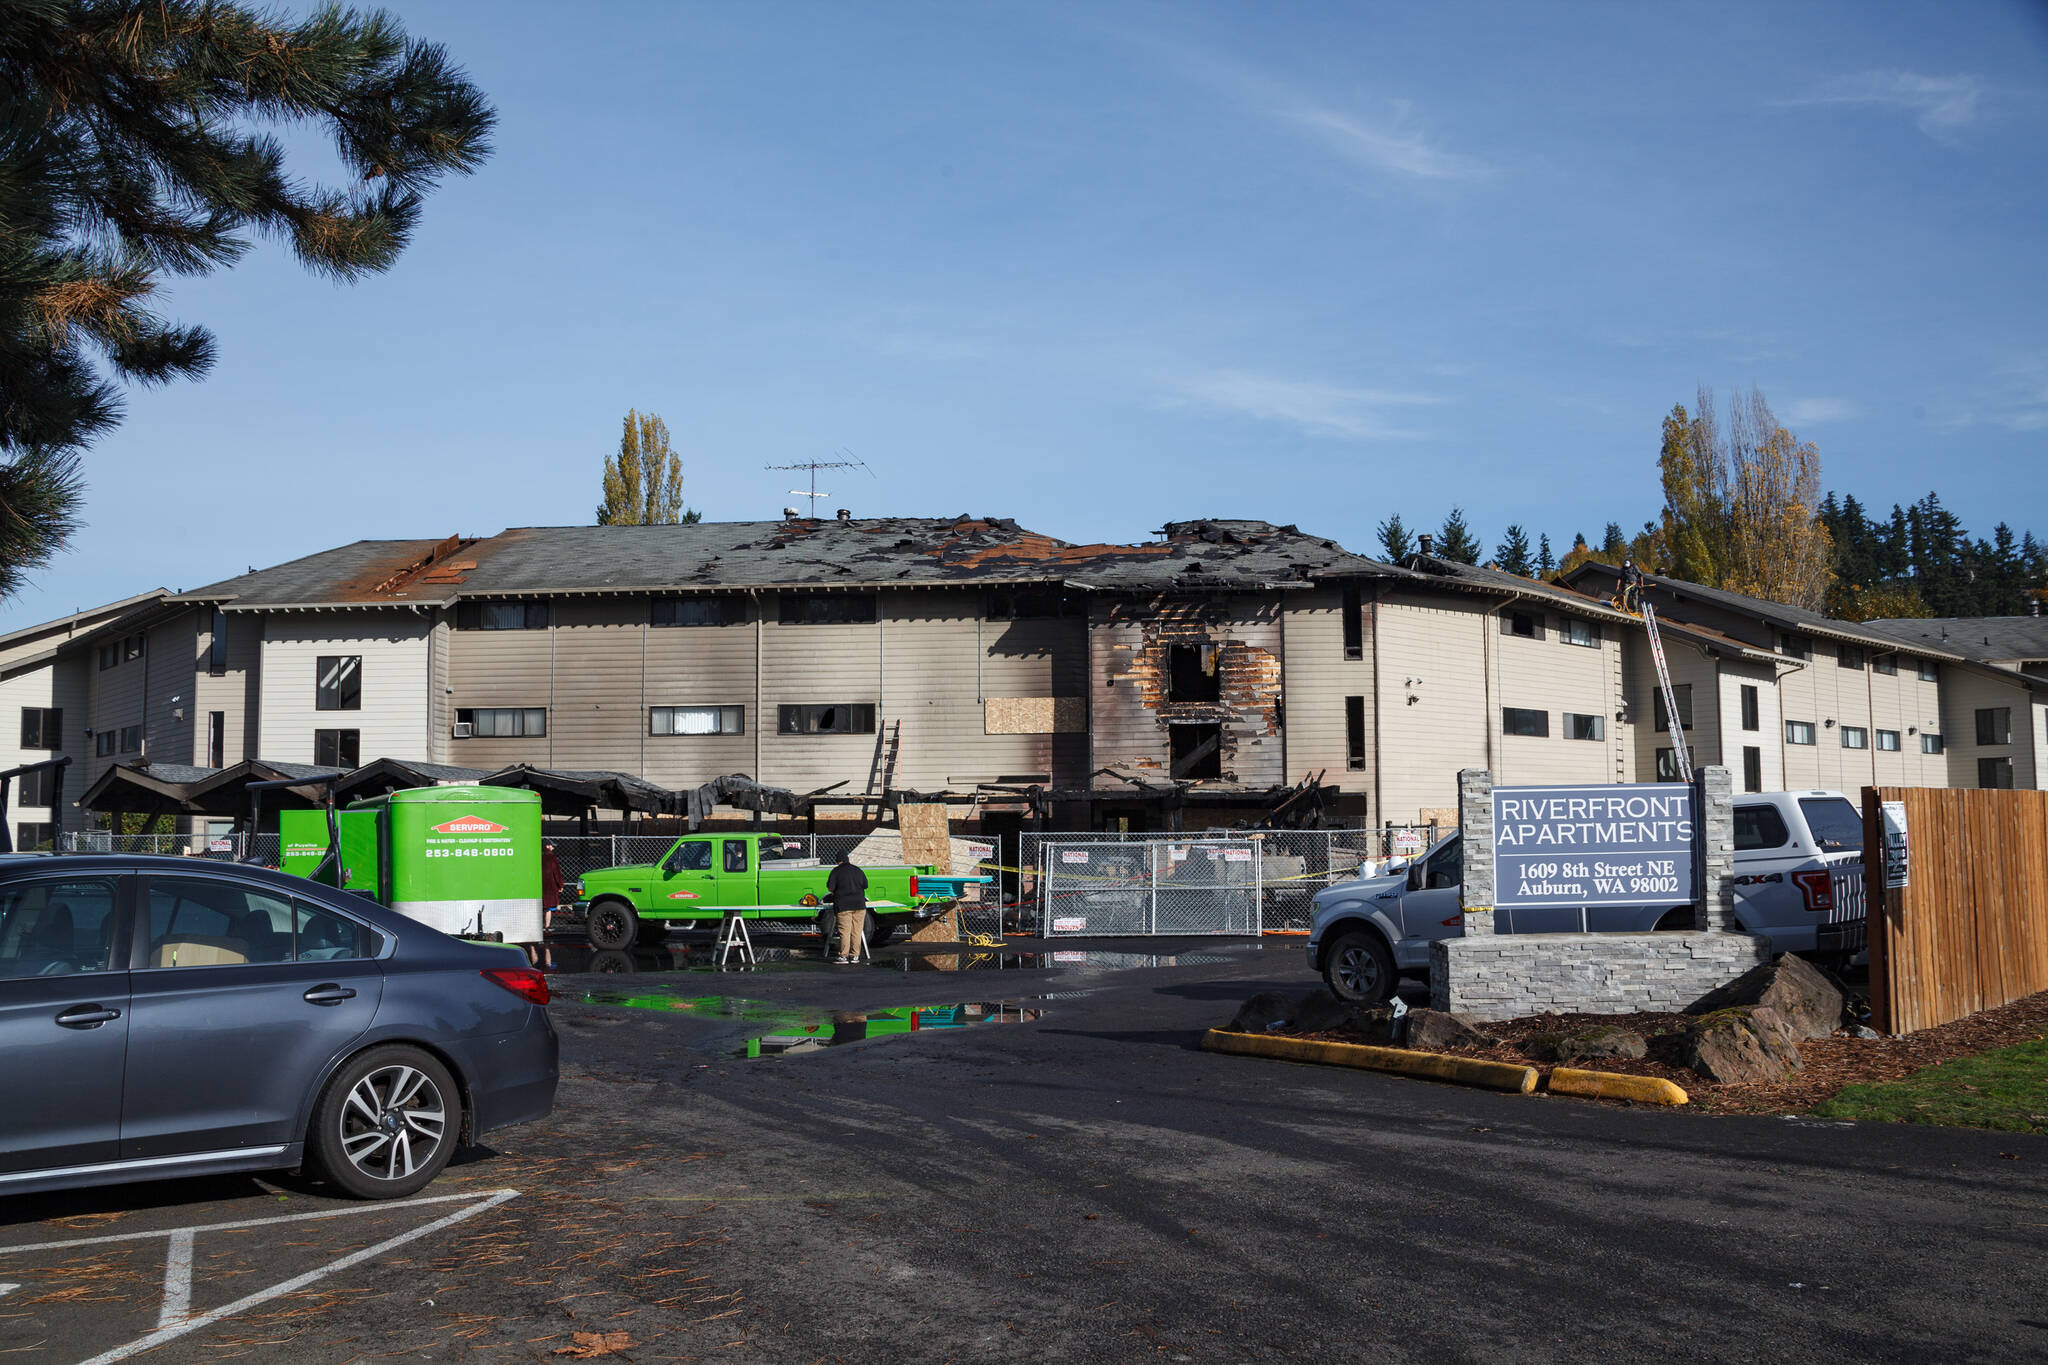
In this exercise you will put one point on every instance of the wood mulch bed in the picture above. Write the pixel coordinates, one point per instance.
(1831, 1063)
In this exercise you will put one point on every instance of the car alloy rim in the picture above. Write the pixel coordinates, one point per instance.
(1358, 969)
(393, 1122)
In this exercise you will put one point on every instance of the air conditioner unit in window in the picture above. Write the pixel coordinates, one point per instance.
(462, 729)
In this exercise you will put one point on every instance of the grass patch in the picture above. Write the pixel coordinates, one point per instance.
(2005, 1090)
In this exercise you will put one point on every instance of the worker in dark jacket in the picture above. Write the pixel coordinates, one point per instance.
(848, 887)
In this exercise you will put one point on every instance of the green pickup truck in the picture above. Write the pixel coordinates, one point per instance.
(704, 877)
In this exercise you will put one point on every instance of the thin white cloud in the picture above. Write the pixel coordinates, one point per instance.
(1807, 412)
(1385, 134)
(2014, 397)
(1309, 406)
(1941, 106)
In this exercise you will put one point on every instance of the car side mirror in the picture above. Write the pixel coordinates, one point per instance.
(1415, 877)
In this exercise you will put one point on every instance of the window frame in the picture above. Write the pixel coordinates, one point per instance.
(1661, 723)
(1851, 656)
(1811, 729)
(1758, 810)
(1752, 767)
(217, 644)
(42, 728)
(134, 733)
(1989, 733)
(1862, 733)
(1511, 716)
(728, 609)
(481, 614)
(720, 714)
(1353, 621)
(1995, 766)
(1891, 748)
(345, 739)
(1793, 645)
(103, 743)
(1752, 709)
(1932, 743)
(1574, 627)
(345, 693)
(1598, 726)
(1523, 625)
(120, 884)
(804, 714)
(1354, 734)
(110, 655)
(1887, 664)
(1194, 673)
(134, 646)
(372, 943)
(523, 712)
(828, 608)
(1025, 603)
(1929, 670)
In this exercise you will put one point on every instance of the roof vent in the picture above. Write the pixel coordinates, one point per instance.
(845, 515)
(1426, 543)
(790, 514)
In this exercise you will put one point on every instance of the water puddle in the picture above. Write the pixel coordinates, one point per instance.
(703, 957)
(774, 1030)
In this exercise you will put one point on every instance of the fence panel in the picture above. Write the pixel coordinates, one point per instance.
(1155, 884)
(1968, 931)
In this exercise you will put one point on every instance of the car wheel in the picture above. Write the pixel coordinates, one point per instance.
(1359, 968)
(612, 924)
(387, 1123)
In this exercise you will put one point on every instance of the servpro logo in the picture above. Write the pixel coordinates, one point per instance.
(469, 824)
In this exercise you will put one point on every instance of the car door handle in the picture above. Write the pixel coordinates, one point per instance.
(329, 994)
(87, 1016)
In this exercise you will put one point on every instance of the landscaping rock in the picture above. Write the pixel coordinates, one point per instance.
(1598, 1040)
(1260, 1013)
(1433, 1030)
(1801, 995)
(1375, 1025)
(1319, 1012)
(1750, 1045)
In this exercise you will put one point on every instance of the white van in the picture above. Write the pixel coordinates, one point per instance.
(1798, 882)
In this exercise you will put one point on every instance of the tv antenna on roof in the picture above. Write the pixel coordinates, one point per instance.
(813, 466)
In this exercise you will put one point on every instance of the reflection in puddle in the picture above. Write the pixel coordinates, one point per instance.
(794, 1029)
(703, 957)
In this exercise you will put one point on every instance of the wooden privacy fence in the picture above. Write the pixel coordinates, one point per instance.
(1969, 930)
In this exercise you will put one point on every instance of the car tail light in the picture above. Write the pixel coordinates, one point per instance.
(1818, 886)
(913, 886)
(524, 982)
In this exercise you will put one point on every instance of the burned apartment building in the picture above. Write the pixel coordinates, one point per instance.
(1184, 682)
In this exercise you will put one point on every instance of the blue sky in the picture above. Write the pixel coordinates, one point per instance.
(1100, 266)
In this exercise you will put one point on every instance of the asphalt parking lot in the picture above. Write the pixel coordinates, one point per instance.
(938, 1161)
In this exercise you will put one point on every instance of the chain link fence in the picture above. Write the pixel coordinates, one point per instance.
(261, 848)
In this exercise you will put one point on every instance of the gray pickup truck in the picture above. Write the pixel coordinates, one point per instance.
(1798, 859)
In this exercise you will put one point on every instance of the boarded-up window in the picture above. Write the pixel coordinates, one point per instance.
(1034, 716)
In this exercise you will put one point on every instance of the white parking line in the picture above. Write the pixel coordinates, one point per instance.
(174, 1319)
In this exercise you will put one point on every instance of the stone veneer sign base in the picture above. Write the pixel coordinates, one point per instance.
(1495, 976)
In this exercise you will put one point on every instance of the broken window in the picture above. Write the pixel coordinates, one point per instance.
(1354, 733)
(854, 719)
(1192, 673)
(1017, 604)
(1197, 751)
(1354, 623)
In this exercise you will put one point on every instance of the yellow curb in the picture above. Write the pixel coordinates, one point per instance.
(1463, 1070)
(1614, 1085)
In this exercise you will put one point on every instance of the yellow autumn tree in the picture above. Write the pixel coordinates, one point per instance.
(1694, 470)
(1777, 547)
(643, 482)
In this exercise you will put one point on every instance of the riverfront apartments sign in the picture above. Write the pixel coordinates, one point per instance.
(1620, 845)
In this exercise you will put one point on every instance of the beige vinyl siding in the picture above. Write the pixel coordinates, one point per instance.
(595, 718)
(1901, 702)
(392, 719)
(235, 693)
(1769, 736)
(501, 668)
(1688, 666)
(2037, 727)
(1433, 700)
(117, 701)
(175, 657)
(1824, 691)
(1964, 691)
(1319, 678)
(60, 683)
(440, 708)
(1546, 674)
(700, 666)
(812, 665)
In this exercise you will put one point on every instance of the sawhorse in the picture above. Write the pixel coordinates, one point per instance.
(733, 934)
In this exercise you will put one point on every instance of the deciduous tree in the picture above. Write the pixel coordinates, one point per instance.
(643, 481)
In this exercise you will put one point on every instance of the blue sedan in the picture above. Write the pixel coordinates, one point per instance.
(173, 1016)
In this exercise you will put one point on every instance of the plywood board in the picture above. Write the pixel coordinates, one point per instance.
(1034, 715)
(926, 836)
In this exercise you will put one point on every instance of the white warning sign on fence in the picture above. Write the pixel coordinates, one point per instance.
(1897, 850)
(1407, 841)
(1073, 855)
(1070, 925)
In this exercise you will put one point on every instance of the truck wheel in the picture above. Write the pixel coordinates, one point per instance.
(880, 931)
(612, 924)
(1359, 968)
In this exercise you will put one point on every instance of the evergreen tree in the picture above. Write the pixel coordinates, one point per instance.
(1456, 542)
(1512, 554)
(1546, 562)
(124, 158)
(1613, 542)
(643, 482)
(1395, 542)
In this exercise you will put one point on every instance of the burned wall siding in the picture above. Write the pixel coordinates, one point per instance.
(1184, 662)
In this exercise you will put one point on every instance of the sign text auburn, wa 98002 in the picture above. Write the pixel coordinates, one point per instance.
(1608, 845)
